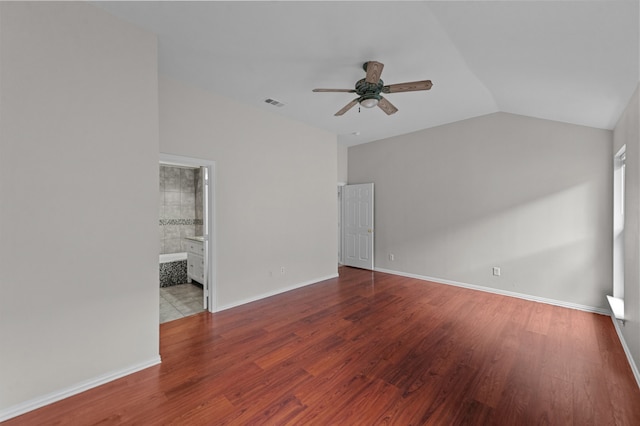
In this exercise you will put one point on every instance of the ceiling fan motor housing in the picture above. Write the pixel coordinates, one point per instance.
(369, 90)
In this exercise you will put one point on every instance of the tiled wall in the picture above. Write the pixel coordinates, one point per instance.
(177, 207)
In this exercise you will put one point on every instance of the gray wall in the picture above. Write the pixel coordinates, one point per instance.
(343, 163)
(275, 190)
(627, 133)
(79, 255)
(79, 211)
(530, 196)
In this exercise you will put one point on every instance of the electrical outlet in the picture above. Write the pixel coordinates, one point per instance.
(282, 270)
(496, 271)
(391, 257)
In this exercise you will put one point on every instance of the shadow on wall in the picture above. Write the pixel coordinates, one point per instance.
(548, 247)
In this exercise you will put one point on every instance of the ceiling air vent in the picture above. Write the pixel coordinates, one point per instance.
(274, 102)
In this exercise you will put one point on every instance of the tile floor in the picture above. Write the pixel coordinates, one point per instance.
(179, 301)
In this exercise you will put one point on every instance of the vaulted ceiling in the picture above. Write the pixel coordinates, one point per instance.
(570, 61)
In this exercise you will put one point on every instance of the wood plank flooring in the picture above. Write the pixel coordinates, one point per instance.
(370, 348)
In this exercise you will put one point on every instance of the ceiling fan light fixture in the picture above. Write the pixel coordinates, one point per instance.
(369, 102)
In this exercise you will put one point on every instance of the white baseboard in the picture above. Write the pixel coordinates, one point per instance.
(561, 303)
(273, 293)
(632, 363)
(50, 398)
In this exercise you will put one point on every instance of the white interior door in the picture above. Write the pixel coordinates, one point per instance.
(357, 225)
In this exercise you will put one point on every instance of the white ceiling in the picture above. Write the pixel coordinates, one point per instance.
(575, 62)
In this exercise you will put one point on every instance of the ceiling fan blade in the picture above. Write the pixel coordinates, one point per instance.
(335, 90)
(374, 69)
(347, 107)
(387, 106)
(408, 87)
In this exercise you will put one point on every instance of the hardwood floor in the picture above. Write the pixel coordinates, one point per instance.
(371, 348)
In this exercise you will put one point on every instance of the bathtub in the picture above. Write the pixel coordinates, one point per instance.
(173, 269)
(173, 257)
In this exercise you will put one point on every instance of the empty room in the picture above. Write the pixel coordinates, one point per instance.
(331, 213)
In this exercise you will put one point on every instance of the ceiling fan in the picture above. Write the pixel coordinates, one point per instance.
(370, 87)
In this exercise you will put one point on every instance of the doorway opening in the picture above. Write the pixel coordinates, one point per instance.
(187, 236)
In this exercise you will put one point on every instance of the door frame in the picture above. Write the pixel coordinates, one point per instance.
(341, 186)
(210, 244)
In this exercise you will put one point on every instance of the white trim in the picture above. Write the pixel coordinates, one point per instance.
(617, 307)
(500, 292)
(340, 225)
(50, 398)
(275, 292)
(178, 160)
(627, 352)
